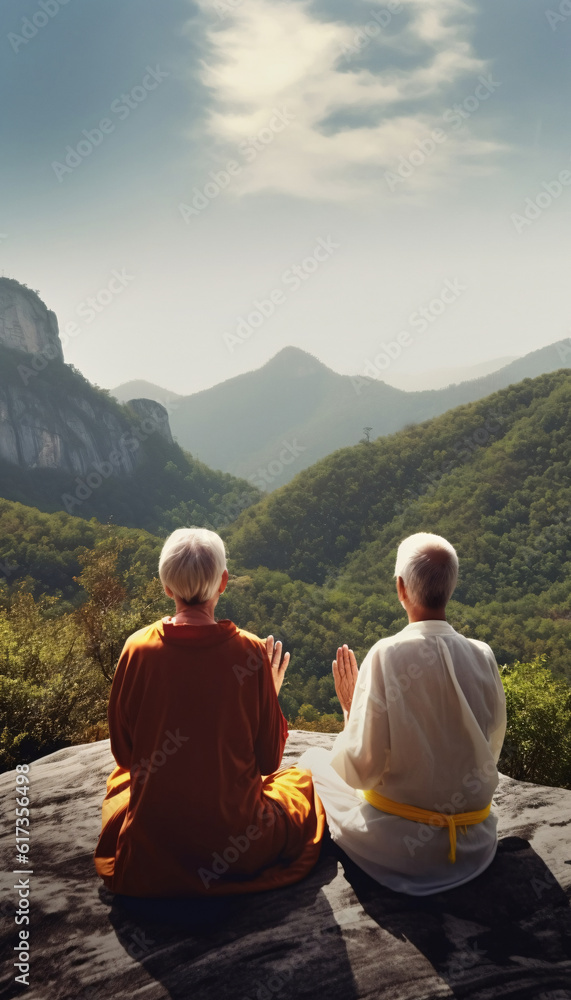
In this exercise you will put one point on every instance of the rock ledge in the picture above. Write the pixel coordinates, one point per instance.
(336, 934)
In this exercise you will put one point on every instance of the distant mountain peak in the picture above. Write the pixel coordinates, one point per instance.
(296, 361)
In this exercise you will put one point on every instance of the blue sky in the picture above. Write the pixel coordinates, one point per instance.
(317, 106)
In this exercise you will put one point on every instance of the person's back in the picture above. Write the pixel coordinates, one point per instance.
(422, 741)
(443, 697)
(194, 805)
(200, 727)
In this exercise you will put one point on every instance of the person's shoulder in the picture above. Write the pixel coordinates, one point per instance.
(143, 636)
(387, 643)
(478, 644)
(249, 642)
(380, 654)
(248, 639)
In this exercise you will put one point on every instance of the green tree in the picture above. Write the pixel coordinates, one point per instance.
(537, 746)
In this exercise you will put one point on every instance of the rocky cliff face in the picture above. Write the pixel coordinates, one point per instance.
(25, 322)
(152, 415)
(50, 416)
(73, 434)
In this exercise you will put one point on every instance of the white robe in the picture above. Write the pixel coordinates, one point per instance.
(426, 728)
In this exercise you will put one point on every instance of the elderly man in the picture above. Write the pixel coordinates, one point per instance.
(195, 805)
(408, 784)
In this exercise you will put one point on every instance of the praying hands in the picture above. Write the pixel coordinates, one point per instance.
(345, 674)
(279, 666)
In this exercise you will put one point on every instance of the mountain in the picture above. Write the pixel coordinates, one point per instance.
(312, 564)
(269, 424)
(437, 378)
(493, 476)
(329, 511)
(139, 387)
(66, 444)
(50, 416)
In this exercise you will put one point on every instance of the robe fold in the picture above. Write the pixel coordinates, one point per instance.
(193, 806)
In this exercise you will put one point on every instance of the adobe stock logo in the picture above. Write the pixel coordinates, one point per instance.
(454, 116)
(293, 279)
(559, 16)
(249, 149)
(266, 475)
(420, 320)
(32, 25)
(380, 19)
(121, 107)
(140, 772)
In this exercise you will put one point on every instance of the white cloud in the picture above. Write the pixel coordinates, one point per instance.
(271, 53)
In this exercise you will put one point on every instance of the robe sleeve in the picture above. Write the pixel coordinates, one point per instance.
(272, 731)
(361, 753)
(119, 732)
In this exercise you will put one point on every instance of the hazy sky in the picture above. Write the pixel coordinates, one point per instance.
(305, 112)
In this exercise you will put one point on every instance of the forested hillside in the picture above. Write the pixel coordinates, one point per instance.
(43, 550)
(498, 467)
(313, 564)
(168, 489)
(316, 410)
(494, 477)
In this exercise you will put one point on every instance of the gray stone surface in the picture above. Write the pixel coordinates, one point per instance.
(155, 414)
(337, 934)
(41, 429)
(25, 323)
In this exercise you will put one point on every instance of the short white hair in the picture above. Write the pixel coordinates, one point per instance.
(191, 564)
(428, 565)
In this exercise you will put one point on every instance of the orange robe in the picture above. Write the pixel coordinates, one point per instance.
(195, 724)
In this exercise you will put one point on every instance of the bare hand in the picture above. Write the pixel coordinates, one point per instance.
(274, 651)
(345, 674)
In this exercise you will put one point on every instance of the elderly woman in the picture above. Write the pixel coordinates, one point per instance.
(193, 806)
(408, 784)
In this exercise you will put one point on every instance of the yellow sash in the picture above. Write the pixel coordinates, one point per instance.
(426, 816)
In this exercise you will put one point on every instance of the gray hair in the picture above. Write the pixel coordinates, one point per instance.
(191, 564)
(428, 565)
